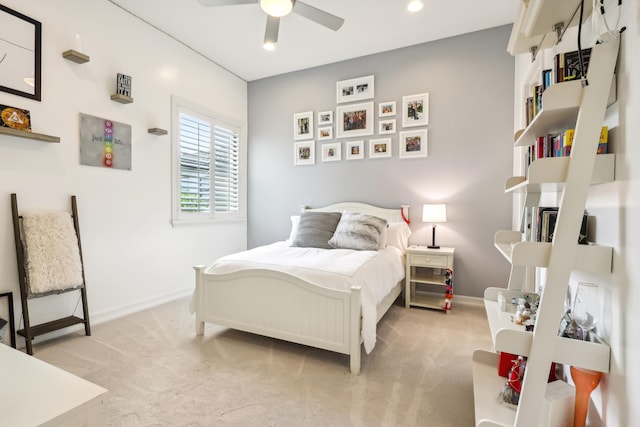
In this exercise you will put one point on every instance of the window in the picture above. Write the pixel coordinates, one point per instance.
(207, 167)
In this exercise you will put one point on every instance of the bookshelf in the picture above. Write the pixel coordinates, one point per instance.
(565, 105)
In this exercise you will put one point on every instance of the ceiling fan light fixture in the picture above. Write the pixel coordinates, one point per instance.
(276, 8)
(414, 5)
(269, 46)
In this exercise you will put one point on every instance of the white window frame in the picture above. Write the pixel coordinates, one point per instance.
(178, 217)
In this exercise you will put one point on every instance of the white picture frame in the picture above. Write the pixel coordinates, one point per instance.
(386, 127)
(325, 118)
(325, 133)
(380, 147)
(413, 143)
(356, 89)
(303, 126)
(387, 109)
(354, 150)
(355, 120)
(304, 153)
(415, 110)
(332, 152)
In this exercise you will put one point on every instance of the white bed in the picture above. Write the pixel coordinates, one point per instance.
(335, 310)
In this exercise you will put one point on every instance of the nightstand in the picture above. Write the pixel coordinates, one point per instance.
(425, 280)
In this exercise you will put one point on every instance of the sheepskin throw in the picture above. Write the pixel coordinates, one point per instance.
(52, 253)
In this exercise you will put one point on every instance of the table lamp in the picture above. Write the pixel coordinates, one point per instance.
(433, 214)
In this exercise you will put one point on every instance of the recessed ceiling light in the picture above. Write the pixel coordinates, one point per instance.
(414, 5)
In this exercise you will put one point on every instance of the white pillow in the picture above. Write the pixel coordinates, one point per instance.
(398, 235)
(295, 220)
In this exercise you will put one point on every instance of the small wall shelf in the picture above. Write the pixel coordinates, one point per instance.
(75, 56)
(29, 135)
(157, 131)
(122, 99)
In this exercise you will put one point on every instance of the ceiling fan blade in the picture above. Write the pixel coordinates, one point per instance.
(318, 16)
(271, 31)
(226, 2)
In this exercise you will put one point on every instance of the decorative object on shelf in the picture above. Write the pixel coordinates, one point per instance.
(448, 295)
(325, 118)
(355, 89)
(434, 213)
(510, 394)
(386, 126)
(304, 153)
(585, 381)
(332, 152)
(355, 150)
(123, 89)
(15, 118)
(104, 143)
(20, 54)
(157, 131)
(415, 110)
(586, 305)
(303, 125)
(413, 144)
(379, 148)
(7, 320)
(75, 56)
(355, 120)
(387, 109)
(325, 133)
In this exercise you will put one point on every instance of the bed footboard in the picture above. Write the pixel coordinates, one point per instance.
(281, 306)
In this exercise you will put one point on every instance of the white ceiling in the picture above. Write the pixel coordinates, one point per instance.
(231, 36)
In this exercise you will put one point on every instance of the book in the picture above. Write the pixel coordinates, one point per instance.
(548, 220)
(546, 79)
(567, 140)
(604, 139)
(572, 69)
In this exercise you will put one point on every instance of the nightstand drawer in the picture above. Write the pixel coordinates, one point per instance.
(429, 260)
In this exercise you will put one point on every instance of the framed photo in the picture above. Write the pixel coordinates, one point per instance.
(355, 119)
(304, 153)
(415, 110)
(7, 321)
(354, 89)
(325, 118)
(20, 54)
(413, 144)
(303, 125)
(387, 109)
(386, 126)
(379, 148)
(332, 152)
(355, 150)
(325, 133)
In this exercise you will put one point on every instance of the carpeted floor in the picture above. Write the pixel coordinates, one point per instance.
(159, 373)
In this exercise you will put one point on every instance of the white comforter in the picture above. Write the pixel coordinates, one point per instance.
(375, 272)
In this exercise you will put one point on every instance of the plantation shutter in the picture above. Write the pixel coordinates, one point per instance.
(227, 169)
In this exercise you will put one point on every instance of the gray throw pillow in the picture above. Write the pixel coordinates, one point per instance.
(315, 229)
(358, 231)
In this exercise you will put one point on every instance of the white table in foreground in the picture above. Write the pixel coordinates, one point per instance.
(34, 393)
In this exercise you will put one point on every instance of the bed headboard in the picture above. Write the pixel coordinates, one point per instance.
(391, 215)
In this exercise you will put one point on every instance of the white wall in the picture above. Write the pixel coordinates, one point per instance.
(133, 257)
(615, 207)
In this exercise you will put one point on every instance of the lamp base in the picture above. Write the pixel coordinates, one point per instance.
(433, 247)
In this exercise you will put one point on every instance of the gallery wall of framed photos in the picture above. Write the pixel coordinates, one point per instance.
(363, 128)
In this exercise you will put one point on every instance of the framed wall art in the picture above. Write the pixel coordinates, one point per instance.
(355, 89)
(355, 119)
(355, 150)
(325, 133)
(325, 118)
(386, 126)
(387, 109)
(20, 54)
(379, 148)
(304, 153)
(104, 143)
(332, 152)
(303, 126)
(7, 320)
(413, 144)
(415, 110)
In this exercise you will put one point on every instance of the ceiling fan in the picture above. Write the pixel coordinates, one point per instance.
(275, 9)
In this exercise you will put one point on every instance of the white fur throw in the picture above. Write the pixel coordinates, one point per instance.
(52, 252)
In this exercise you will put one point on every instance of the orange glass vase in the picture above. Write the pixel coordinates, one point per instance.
(585, 381)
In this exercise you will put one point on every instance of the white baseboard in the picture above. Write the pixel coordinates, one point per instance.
(462, 299)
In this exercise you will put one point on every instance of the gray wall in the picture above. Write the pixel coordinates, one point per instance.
(470, 82)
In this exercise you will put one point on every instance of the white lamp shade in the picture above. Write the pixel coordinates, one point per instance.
(276, 8)
(434, 213)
